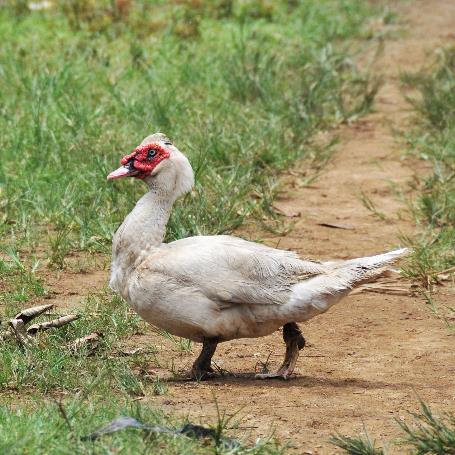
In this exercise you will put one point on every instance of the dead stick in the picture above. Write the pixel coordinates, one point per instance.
(31, 313)
(18, 329)
(450, 269)
(55, 323)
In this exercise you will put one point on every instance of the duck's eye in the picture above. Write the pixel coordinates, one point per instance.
(151, 153)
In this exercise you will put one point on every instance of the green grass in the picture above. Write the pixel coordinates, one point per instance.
(430, 434)
(20, 282)
(239, 86)
(434, 142)
(58, 427)
(241, 96)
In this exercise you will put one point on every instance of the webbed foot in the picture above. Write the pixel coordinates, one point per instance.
(294, 343)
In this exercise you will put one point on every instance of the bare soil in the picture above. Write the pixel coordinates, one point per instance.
(371, 358)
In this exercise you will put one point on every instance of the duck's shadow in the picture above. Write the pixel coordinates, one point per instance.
(248, 380)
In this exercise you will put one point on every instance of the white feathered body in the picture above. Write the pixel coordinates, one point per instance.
(220, 287)
(225, 287)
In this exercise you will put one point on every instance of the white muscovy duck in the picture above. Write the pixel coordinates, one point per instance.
(217, 288)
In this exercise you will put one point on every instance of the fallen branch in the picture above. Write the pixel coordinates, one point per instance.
(16, 326)
(31, 313)
(55, 323)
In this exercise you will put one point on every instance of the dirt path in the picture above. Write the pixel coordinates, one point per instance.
(368, 359)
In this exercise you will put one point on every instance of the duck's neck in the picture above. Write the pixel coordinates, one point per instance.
(145, 226)
(142, 231)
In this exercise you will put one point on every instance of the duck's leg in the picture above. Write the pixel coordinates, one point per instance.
(294, 340)
(201, 367)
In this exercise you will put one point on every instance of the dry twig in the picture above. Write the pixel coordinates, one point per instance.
(16, 326)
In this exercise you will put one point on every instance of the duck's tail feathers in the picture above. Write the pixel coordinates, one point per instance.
(318, 294)
(369, 268)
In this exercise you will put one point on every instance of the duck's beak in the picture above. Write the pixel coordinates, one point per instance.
(122, 171)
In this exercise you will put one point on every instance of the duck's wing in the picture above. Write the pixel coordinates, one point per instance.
(231, 270)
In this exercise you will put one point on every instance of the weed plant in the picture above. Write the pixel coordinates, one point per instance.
(430, 434)
(356, 445)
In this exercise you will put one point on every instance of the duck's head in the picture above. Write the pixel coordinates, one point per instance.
(160, 164)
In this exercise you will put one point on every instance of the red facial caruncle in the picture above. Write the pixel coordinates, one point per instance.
(141, 162)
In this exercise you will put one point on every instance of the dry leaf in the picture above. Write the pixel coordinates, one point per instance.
(131, 351)
(33, 312)
(92, 341)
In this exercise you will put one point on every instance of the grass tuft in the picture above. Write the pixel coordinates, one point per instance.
(356, 445)
(426, 434)
(429, 434)
(59, 427)
(434, 142)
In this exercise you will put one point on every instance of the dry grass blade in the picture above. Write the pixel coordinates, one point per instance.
(449, 270)
(386, 286)
(337, 226)
(383, 289)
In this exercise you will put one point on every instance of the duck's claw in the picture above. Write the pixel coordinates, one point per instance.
(294, 343)
(276, 375)
(200, 375)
